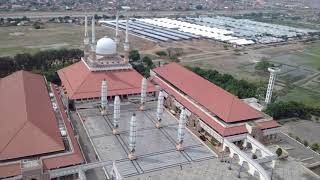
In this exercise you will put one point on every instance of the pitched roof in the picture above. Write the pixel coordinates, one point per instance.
(80, 82)
(61, 159)
(224, 131)
(28, 124)
(218, 101)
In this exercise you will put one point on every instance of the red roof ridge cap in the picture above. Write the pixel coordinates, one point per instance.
(84, 80)
(230, 108)
(13, 137)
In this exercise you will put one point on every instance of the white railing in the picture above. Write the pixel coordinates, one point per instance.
(262, 172)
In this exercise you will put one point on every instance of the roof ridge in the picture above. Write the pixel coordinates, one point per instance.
(83, 81)
(44, 133)
(230, 108)
(36, 125)
(15, 76)
(24, 124)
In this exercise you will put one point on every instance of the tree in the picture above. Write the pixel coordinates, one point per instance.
(199, 7)
(96, 16)
(240, 88)
(134, 55)
(148, 62)
(36, 25)
(263, 65)
(142, 70)
(279, 152)
(161, 53)
(305, 143)
(281, 110)
(315, 147)
(298, 139)
(45, 62)
(254, 156)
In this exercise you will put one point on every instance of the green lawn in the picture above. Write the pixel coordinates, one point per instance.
(304, 96)
(311, 56)
(16, 50)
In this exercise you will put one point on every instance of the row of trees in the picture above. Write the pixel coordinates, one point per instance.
(12, 21)
(142, 65)
(282, 110)
(45, 62)
(240, 88)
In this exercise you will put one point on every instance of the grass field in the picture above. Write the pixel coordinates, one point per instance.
(311, 56)
(18, 39)
(206, 54)
(304, 96)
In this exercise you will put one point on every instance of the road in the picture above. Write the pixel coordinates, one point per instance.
(47, 15)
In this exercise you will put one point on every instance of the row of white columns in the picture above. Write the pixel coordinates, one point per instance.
(132, 125)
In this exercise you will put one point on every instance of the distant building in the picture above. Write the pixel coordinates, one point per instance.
(210, 107)
(35, 133)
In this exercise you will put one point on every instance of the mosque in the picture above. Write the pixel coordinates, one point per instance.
(82, 80)
(104, 74)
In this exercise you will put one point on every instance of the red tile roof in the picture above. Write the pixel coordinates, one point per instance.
(10, 170)
(222, 130)
(60, 159)
(72, 158)
(28, 124)
(80, 82)
(220, 102)
(268, 124)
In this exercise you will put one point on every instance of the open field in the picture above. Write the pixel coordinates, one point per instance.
(302, 95)
(300, 62)
(20, 39)
(304, 129)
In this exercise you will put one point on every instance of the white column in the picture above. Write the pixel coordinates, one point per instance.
(273, 73)
(104, 99)
(93, 26)
(132, 138)
(86, 40)
(117, 27)
(116, 115)
(126, 43)
(181, 129)
(160, 109)
(143, 93)
(81, 175)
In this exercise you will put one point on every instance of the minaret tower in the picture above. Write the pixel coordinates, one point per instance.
(93, 26)
(86, 40)
(93, 40)
(273, 74)
(126, 42)
(117, 28)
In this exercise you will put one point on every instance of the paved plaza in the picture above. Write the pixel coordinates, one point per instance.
(157, 157)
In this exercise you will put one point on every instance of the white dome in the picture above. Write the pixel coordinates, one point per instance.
(106, 46)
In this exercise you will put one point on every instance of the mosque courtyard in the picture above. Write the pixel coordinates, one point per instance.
(157, 157)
